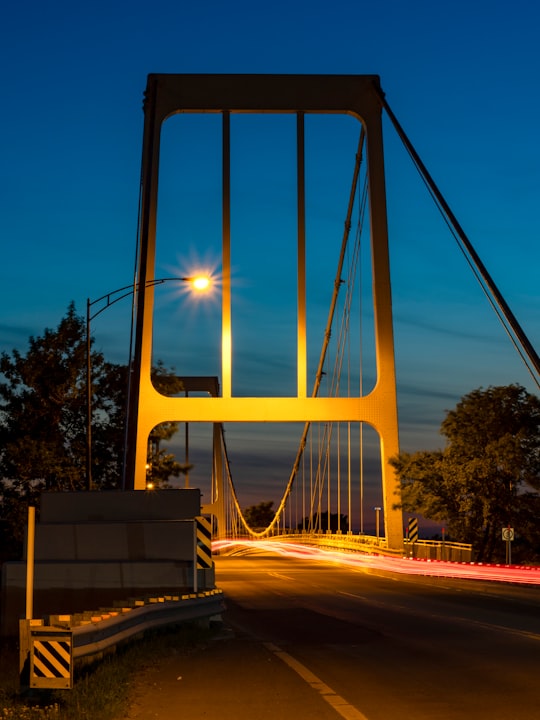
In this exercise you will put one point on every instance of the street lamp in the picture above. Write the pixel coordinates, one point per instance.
(377, 521)
(199, 282)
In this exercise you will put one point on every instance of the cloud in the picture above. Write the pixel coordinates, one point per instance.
(411, 321)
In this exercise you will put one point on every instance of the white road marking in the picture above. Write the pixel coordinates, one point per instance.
(340, 705)
(281, 577)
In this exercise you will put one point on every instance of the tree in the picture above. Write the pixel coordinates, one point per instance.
(109, 393)
(259, 516)
(43, 420)
(43, 410)
(485, 477)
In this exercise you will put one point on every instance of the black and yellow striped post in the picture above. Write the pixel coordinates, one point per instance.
(413, 530)
(412, 535)
(202, 547)
(51, 658)
(204, 542)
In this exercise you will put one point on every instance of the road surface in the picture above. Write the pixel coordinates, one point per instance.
(311, 641)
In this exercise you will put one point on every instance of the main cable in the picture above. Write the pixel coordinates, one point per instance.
(468, 250)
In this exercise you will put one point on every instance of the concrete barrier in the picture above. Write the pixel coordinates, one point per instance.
(92, 548)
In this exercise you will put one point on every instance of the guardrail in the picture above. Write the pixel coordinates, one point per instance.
(343, 541)
(439, 550)
(420, 549)
(50, 648)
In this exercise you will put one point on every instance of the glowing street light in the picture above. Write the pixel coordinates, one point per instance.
(198, 282)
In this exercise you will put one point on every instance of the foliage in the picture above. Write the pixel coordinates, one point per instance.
(43, 401)
(101, 691)
(485, 477)
(259, 516)
(25, 712)
(43, 423)
(43, 418)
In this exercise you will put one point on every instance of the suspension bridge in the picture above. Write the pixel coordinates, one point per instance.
(334, 403)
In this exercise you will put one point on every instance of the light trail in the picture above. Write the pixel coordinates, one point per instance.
(519, 574)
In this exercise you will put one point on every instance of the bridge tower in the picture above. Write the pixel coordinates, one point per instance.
(356, 95)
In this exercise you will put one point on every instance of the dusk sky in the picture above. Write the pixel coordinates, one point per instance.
(461, 77)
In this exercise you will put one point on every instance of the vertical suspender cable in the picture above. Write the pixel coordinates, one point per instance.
(468, 249)
(322, 358)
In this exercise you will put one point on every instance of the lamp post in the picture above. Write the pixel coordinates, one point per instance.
(377, 522)
(200, 283)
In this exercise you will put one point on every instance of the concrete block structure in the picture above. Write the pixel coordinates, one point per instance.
(93, 549)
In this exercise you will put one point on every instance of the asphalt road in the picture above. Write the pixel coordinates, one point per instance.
(313, 641)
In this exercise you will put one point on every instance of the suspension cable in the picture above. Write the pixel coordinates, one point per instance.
(496, 300)
(337, 284)
(487, 283)
(320, 373)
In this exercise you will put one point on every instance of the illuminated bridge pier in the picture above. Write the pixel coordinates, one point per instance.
(358, 96)
(338, 397)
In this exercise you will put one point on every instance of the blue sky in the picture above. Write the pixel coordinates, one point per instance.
(462, 78)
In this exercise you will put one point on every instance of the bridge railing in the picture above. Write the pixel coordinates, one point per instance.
(439, 550)
(420, 549)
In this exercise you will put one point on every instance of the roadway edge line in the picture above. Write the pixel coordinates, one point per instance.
(340, 705)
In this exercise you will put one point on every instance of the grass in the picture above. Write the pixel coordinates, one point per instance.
(101, 691)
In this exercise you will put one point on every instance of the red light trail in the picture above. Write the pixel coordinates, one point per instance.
(519, 574)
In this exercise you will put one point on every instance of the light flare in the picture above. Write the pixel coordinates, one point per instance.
(201, 282)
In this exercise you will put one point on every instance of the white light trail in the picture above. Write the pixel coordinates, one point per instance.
(519, 574)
